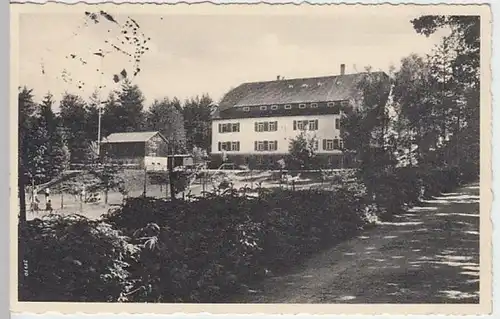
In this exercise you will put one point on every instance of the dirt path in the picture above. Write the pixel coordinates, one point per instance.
(431, 255)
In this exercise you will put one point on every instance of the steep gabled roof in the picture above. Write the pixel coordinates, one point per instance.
(316, 89)
(130, 137)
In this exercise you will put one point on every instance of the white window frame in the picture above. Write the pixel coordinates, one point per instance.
(314, 105)
(302, 106)
(337, 124)
(274, 126)
(246, 109)
(273, 147)
(274, 107)
(331, 104)
(260, 127)
(300, 125)
(288, 106)
(234, 146)
(263, 107)
(260, 146)
(329, 145)
(312, 125)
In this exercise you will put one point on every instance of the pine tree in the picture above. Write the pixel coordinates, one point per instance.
(166, 117)
(73, 119)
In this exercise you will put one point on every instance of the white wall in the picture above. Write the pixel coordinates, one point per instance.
(247, 135)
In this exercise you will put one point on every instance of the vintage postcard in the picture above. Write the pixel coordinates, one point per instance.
(321, 159)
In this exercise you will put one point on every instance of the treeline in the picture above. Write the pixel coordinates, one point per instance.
(433, 116)
(49, 141)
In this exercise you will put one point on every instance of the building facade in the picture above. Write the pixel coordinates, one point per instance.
(136, 150)
(255, 122)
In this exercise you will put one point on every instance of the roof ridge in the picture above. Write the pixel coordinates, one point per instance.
(312, 77)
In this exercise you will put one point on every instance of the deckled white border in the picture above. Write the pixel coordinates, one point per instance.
(298, 309)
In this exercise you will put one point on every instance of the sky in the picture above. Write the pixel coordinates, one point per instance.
(189, 55)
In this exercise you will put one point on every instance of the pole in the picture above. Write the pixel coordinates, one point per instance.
(145, 179)
(99, 129)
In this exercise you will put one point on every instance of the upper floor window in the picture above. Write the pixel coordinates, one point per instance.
(266, 126)
(311, 125)
(274, 107)
(337, 124)
(263, 107)
(314, 105)
(288, 106)
(229, 127)
(302, 106)
(246, 109)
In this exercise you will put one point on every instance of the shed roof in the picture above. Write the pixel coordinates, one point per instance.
(315, 89)
(130, 137)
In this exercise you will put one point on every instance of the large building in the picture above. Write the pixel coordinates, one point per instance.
(255, 122)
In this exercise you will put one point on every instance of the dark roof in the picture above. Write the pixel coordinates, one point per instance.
(316, 89)
(130, 137)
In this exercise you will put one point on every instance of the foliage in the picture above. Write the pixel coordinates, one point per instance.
(302, 152)
(123, 110)
(71, 258)
(165, 116)
(215, 245)
(197, 121)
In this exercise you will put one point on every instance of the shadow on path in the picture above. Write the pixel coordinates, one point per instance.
(429, 255)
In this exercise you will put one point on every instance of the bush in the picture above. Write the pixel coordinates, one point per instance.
(70, 258)
(208, 249)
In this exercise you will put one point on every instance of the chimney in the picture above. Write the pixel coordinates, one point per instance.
(342, 69)
(278, 78)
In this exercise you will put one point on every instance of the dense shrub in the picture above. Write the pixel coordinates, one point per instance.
(71, 258)
(204, 250)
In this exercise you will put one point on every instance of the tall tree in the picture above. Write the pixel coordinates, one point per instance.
(166, 117)
(197, 121)
(73, 119)
(57, 154)
(123, 111)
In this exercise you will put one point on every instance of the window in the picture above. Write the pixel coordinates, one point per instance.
(263, 146)
(274, 107)
(229, 146)
(345, 103)
(337, 124)
(288, 106)
(314, 105)
(263, 107)
(311, 125)
(266, 126)
(235, 146)
(229, 127)
(330, 104)
(330, 145)
(302, 106)
(246, 109)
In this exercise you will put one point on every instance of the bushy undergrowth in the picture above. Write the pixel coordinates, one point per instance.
(71, 258)
(214, 246)
(154, 250)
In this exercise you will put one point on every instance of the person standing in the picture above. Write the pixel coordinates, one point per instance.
(47, 194)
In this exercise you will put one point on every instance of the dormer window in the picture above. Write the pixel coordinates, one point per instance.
(302, 106)
(246, 109)
(305, 85)
(290, 86)
(314, 105)
(274, 107)
(331, 104)
(345, 103)
(263, 107)
(288, 106)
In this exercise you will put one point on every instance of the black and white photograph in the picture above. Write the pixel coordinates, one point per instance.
(251, 155)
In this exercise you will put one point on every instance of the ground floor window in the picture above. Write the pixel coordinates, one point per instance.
(229, 146)
(332, 144)
(265, 146)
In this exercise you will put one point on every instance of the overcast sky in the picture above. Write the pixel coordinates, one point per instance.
(194, 54)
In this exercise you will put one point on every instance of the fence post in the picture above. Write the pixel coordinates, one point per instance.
(62, 200)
